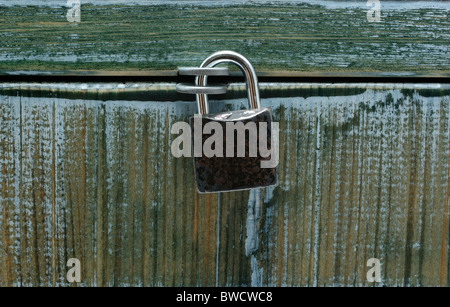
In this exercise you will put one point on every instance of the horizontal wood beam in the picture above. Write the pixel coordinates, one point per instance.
(275, 37)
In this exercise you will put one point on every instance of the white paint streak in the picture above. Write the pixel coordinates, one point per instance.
(251, 240)
(253, 215)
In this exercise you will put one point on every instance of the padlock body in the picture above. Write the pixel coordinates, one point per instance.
(238, 168)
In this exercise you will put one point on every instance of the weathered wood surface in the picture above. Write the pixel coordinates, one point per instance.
(363, 173)
(306, 36)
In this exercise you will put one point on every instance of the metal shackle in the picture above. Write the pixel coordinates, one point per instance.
(246, 68)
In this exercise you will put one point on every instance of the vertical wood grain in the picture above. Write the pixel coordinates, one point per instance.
(360, 176)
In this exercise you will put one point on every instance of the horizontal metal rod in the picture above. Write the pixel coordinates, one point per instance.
(203, 71)
(188, 88)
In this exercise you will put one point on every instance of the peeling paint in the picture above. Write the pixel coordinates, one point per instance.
(363, 175)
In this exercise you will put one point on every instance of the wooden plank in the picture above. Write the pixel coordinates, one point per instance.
(307, 36)
(363, 173)
(10, 259)
(373, 223)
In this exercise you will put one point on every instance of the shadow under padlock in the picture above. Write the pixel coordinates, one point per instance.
(232, 150)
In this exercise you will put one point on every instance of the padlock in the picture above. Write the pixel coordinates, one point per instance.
(239, 159)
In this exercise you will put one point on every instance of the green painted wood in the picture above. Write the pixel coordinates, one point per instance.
(363, 173)
(303, 37)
